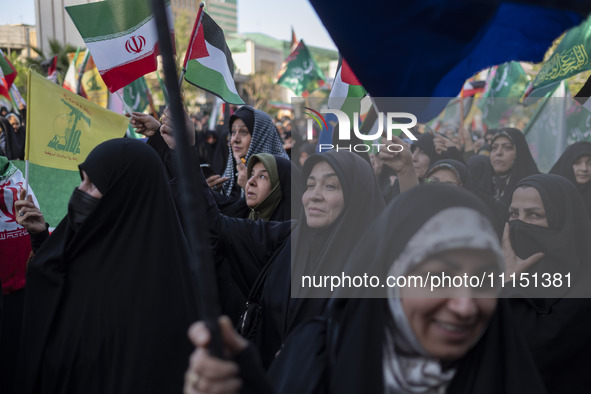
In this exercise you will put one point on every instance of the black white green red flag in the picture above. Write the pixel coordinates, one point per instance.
(210, 65)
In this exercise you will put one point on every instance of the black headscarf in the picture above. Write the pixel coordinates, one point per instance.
(564, 167)
(344, 352)
(326, 248)
(426, 144)
(15, 141)
(108, 306)
(523, 166)
(459, 169)
(565, 243)
(557, 329)
(314, 251)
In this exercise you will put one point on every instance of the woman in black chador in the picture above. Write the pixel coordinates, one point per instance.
(547, 216)
(109, 293)
(575, 165)
(409, 339)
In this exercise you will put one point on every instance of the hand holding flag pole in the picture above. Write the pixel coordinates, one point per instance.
(191, 42)
(192, 199)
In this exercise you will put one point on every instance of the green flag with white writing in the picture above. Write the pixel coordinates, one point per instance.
(300, 73)
(570, 57)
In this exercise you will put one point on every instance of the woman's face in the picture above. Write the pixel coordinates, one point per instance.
(14, 122)
(88, 187)
(449, 326)
(323, 199)
(258, 186)
(444, 176)
(240, 138)
(502, 155)
(582, 169)
(421, 162)
(528, 207)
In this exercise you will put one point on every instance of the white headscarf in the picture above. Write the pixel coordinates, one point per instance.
(408, 368)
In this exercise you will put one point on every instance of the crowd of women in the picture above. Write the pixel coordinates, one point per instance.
(110, 294)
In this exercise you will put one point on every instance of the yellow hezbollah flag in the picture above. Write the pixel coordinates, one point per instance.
(62, 127)
(92, 82)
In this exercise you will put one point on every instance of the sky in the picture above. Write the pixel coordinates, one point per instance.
(272, 17)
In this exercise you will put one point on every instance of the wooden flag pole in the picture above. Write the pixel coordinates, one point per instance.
(191, 41)
(192, 198)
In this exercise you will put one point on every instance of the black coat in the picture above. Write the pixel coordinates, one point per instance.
(108, 306)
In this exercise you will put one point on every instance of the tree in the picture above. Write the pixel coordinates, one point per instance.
(55, 48)
(260, 90)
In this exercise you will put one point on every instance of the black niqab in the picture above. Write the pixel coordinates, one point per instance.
(557, 329)
(108, 306)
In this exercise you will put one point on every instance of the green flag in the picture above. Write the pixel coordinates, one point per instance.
(300, 73)
(136, 96)
(570, 57)
(578, 122)
(506, 84)
(546, 132)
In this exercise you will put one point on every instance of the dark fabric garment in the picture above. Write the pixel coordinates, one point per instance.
(14, 141)
(19, 136)
(265, 139)
(246, 114)
(459, 169)
(232, 282)
(344, 351)
(523, 166)
(564, 167)
(107, 307)
(302, 147)
(317, 251)
(483, 176)
(10, 332)
(425, 142)
(477, 165)
(557, 328)
(220, 156)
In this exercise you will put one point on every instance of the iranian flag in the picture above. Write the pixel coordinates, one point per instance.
(8, 70)
(7, 75)
(121, 36)
(210, 65)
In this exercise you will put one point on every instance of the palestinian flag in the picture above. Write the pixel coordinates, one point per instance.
(345, 85)
(8, 70)
(210, 66)
(121, 36)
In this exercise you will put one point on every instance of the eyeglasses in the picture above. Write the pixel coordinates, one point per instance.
(243, 132)
(435, 180)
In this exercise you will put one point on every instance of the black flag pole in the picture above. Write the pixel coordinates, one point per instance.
(192, 200)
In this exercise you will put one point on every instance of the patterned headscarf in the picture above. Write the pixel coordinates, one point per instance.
(265, 139)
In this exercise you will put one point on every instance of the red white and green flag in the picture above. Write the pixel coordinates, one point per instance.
(71, 78)
(121, 36)
(8, 69)
(209, 63)
(7, 75)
